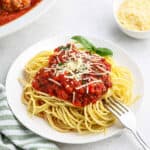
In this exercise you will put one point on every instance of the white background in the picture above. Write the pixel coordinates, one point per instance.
(93, 17)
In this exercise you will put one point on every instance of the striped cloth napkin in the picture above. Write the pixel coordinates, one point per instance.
(13, 136)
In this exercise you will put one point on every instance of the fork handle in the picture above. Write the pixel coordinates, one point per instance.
(140, 140)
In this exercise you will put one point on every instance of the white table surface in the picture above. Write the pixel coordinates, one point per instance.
(93, 17)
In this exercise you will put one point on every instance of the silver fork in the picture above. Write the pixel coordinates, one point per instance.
(127, 118)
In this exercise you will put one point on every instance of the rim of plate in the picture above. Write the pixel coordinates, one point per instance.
(27, 18)
(58, 136)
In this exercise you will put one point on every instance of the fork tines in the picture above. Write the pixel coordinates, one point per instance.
(116, 107)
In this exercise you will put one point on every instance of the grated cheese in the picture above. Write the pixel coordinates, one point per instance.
(52, 80)
(76, 65)
(73, 97)
(135, 14)
(96, 81)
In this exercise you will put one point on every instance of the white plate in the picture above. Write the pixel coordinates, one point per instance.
(27, 18)
(38, 125)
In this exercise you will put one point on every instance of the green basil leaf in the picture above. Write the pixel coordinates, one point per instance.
(89, 46)
(64, 47)
(83, 81)
(84, 42)
(104, 51)
(60, 64)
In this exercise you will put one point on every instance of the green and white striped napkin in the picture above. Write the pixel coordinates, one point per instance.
(13, 136)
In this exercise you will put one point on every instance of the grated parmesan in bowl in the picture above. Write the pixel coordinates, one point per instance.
(133, 17)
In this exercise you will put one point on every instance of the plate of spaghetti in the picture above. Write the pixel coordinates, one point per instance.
(62, 83)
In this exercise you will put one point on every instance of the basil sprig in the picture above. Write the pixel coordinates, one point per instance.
(104, 51)
(64, 47)
(89, 46)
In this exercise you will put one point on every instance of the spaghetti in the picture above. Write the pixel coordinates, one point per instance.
(63, 114)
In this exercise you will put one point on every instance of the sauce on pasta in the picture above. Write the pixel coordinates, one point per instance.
(75, 76)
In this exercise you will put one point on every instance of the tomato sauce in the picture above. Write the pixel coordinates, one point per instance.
(6, 17)
(88, 80)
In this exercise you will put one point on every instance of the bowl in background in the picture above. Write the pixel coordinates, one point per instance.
(131, 33)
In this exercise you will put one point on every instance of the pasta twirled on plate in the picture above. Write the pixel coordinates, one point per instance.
(68, 87)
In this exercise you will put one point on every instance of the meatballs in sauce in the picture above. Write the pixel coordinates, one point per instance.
(15, 5)
(13, 9)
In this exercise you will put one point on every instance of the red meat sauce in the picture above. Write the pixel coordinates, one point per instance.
(6, 17)
(88, 88)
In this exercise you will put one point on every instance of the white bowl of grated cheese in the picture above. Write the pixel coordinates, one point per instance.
(134, 22)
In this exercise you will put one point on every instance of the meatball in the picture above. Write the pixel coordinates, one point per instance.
(15, 5)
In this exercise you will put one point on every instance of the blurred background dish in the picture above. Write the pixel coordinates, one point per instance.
(16, 14)
(132, 17)
(13, 9)
(16, 5)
